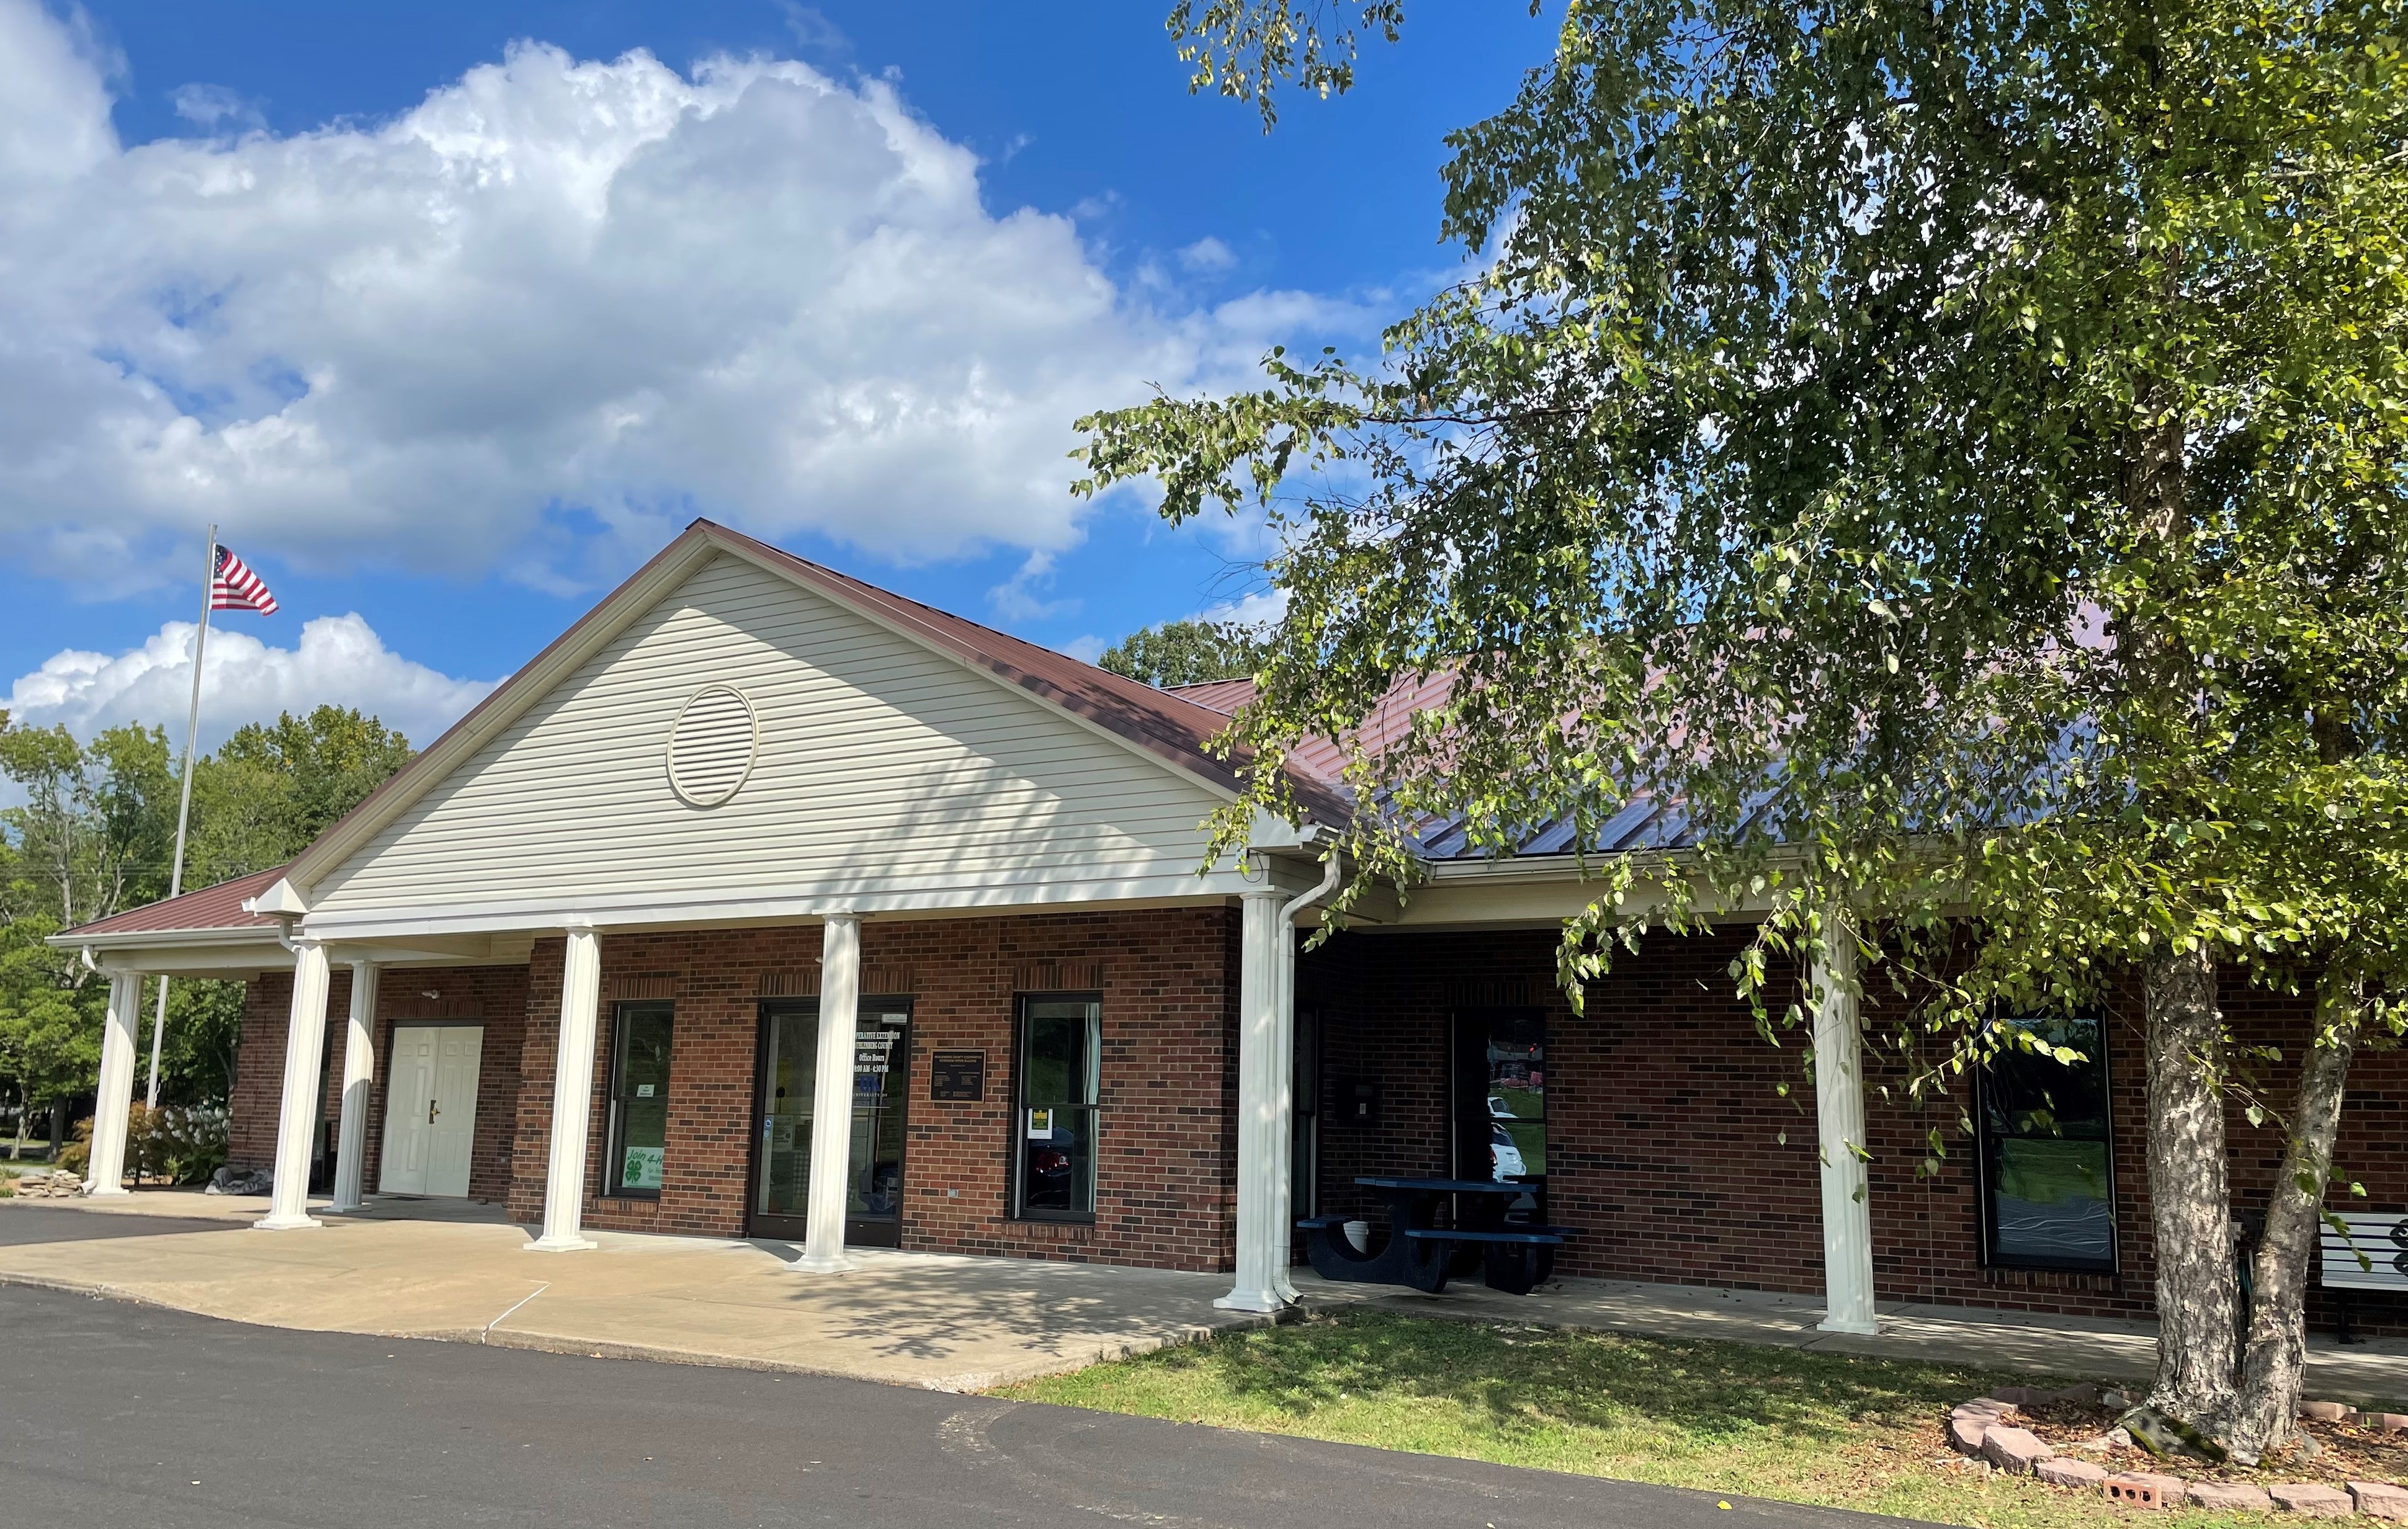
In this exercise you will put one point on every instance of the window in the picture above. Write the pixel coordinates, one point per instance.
(640, 1100)
(2046, 1161)
(1060, 1040)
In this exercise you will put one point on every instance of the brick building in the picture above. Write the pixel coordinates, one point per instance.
(765, 903)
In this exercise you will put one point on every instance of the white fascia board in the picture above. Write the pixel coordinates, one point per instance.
(150, 939)
(721, 909)
(879, 620)
(507, 705)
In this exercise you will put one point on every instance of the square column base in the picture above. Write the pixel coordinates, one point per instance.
(562, 1245)
(1250, 1300)
(824, 1265)
(1842, 1324)
(285, 1223)
(107, 1192)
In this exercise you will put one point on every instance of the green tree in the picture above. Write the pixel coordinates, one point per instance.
(1954, 453)
(95, 837)
(1186, 652)
(272, 788)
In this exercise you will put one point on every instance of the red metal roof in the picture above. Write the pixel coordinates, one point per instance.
(1222, 695)
(211, 908)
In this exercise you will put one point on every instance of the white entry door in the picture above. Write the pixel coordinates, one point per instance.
(430, 1109)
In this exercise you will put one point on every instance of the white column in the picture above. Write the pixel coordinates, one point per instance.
(105, 1174)
(1279, 1216)
(359, 1076)
(296, 1123)
(1840, 1127)
(1262, 1116)
(832, 1095)
(572, 1095)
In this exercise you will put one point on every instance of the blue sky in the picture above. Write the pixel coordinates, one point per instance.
(451, 339)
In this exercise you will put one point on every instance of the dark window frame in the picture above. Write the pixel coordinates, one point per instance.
(1986, 1209)
(615, 1123)
(1015, 1147)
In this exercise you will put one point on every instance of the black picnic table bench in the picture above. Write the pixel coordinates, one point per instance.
(1417, 1252)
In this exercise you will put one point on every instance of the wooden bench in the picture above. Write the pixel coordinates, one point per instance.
(2372, 1256)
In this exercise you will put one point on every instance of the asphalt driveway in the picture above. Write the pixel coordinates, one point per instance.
(122, 1414)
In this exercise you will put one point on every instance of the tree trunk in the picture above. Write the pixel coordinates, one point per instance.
(2197, 1293)
(2267, 1420)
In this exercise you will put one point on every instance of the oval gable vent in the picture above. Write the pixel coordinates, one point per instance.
(713, 745)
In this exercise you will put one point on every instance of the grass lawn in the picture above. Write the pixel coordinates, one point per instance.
(1722, 1416)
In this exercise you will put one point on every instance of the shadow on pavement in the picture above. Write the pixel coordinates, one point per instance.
(21, 1225)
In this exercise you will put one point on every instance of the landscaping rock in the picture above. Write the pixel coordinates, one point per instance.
(2313, 1498)
(2390, 1423)
(2229, 1496)
(2084, 1395)
(1965, 1431)
(2116, 1401)
(2328, 1411)
(2013, 1450)
(2144, 1489)
(2017, 1396)
(2059, 1471)
(2379, 1499)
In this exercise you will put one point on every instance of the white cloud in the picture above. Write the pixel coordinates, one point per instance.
(209, 104)
(1208, 254)
(339, 661)
(1261, 608)
(535, 321)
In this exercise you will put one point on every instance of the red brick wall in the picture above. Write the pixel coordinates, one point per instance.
(1667, 1124)
(496, 995)
(1165, 1151)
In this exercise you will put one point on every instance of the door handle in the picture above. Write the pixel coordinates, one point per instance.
(431, 1112)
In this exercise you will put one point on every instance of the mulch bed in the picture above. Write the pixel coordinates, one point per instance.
(2355, 1450)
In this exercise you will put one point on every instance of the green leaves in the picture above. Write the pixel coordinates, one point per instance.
(1953, 455)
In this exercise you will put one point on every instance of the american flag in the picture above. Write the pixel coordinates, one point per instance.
(234, 587)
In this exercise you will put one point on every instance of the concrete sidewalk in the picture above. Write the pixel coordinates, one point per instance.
(447, 1269)
(422, 1269)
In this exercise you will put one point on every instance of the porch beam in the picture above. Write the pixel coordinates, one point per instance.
(1264, 1079)
(572, 1095)
(105, 1174)
(359, 1076)
(296, 1123)
(1839, 1129)
(832, 1095)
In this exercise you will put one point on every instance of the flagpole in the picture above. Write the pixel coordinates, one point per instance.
(184, 809)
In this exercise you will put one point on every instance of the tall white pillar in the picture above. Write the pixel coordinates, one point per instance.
(1279, 1215)
(105, 1175)
(1263, 1235)
(296, 1123)
(572, 1095)
(1839, 1129)
(832, 1095)
(359, 1076)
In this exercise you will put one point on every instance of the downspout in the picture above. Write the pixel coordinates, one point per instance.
(1285, 1148)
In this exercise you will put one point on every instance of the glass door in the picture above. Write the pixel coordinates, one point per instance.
(782, 1175)
(1500, 1102)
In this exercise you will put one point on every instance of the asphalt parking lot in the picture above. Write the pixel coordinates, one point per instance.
(122, 1414)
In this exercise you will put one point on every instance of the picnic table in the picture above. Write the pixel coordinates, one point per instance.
(1422, 1253)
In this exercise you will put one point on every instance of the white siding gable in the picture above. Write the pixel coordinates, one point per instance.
(885, 773)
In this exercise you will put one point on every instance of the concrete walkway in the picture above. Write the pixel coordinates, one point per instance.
(447, 1269)
(424, 1269)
